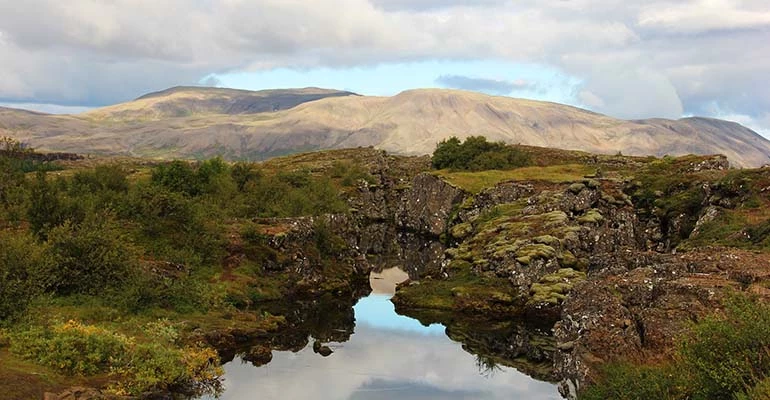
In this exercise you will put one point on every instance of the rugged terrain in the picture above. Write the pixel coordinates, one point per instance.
(556, 268)
(204, 122)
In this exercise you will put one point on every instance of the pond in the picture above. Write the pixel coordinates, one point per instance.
(389, 356)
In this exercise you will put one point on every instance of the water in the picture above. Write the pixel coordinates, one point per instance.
(388, 357)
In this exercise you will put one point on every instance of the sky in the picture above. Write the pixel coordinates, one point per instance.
(628, 59)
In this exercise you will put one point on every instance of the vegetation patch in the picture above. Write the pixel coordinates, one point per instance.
(722, 357)
(75, 348)
(476, 154)
(475, 182)
(552, 289)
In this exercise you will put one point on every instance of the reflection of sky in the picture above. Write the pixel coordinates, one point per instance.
(389, 357)
(380, 364)
(377, 311)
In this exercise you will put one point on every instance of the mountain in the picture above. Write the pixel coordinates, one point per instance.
(187, 101)
(203, 122)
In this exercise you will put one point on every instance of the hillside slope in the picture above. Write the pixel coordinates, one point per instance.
(193, 123)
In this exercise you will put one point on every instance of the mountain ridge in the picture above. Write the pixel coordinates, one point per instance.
(191, 122)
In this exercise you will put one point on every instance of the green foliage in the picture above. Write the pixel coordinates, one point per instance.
(476, 154)
(728, 355)
(721, 358)
(72, 348)
(46, 209)
(292, 194)
(22, 264)
(75, 348)
(625, 381)
(349, 173)
(329, 244)
(90, 257)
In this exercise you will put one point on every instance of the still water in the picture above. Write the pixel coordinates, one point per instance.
(388, 357)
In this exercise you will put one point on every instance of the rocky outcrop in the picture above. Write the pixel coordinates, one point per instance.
(635, 305)
(427, 205)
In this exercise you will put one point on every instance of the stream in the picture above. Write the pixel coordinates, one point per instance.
(389, 356)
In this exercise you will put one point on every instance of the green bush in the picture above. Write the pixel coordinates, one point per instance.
(728, 355)
(72, 348)
(725, 357)
(90, 257)
(476, 154)
(23, 263)
(79, 349)
(624, 381)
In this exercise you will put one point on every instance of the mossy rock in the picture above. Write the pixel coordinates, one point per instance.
(461, 231)
(592, 183)
(504, 251)
(547, 240)
(459, 265)
(567, 259)
(553, 288)
(535, 250)
(592, 216)
(576, 187)
(516, 228)
(551, 219)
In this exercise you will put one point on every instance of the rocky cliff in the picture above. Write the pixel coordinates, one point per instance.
(609, 259)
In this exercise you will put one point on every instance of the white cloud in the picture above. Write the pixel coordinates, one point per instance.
(703, 15)
(660, 56)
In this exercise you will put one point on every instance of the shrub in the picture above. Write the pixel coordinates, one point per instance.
(22, 264)
(625, 381)
(79, 349)
(730, 354)
(90, 257)
(476, 154)
(72, 347)
(721, 358)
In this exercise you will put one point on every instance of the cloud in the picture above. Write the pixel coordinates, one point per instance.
(491, 86)
(211, 81)
(400, 364)
(48, 108)
(423, 5)
(634, 59)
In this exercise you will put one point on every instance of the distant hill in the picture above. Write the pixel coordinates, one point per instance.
(202, 122)
(187, 101)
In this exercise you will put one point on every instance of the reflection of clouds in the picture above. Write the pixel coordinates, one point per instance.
(378, 364)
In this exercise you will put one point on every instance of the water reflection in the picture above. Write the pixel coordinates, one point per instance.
(389, 356)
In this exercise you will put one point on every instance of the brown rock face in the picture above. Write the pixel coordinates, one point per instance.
(428, 204)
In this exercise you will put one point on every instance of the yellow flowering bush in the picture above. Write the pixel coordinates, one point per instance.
(80, 349)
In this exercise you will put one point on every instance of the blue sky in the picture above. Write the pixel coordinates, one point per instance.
(493, 77)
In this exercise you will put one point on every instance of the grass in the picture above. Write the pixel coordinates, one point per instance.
(464, 291)
(475, 182)
(21, 379)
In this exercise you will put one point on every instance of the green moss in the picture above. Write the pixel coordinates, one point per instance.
(461, 231)
(592, 183)
(576, 188)
(567, 259)
(547, 240)
(462, 291)
(534, 251)
(592, 216)
(475, 182)
(553, 289)
(551, 219)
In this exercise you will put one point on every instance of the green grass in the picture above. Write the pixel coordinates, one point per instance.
(475, 182)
